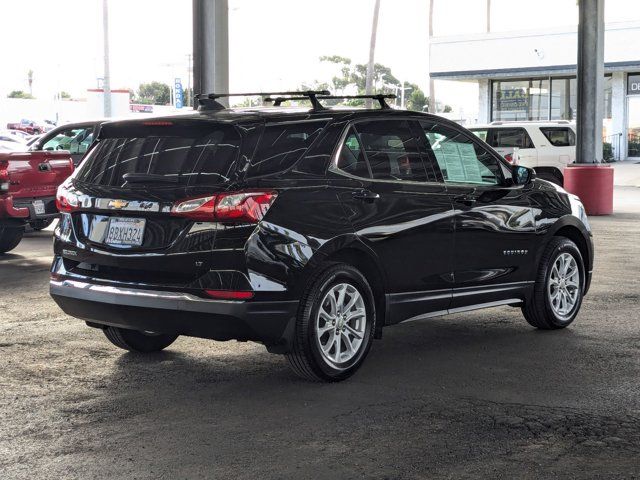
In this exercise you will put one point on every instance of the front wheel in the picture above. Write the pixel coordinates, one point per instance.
(559, 286)
(335, 325)
(138, 341)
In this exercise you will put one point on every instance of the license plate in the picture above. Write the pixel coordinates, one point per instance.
(124, 231)
(38, 207)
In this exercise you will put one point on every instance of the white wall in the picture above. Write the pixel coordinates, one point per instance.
(556, 46)
(14, 109)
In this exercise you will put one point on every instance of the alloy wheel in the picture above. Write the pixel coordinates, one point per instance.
(340, 324)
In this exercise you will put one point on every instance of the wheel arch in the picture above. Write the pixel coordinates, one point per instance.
(352, 251)
(570, 227)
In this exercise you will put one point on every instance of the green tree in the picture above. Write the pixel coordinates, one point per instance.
(154, 93)
(19, 94)
(65, 95)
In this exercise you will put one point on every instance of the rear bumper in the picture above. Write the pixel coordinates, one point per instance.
(22, 209)
(179, 313)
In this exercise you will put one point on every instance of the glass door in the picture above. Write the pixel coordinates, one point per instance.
(633, 126)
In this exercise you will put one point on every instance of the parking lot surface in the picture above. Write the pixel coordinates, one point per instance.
(463, 396)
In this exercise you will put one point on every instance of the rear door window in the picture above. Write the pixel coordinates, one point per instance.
(509, 138)
(352, 159)
(392, 150)
(559, 136)
(282, 145)
(207, 160)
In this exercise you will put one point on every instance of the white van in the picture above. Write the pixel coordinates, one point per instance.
(547, 147)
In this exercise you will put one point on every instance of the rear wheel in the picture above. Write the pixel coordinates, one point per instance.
(137, 341)
(10, 238)
(335, 325)
(559, 286)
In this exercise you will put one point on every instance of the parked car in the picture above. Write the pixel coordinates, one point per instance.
(546, 147)
(73, 137)
(10, 146)
(20, 134)
(28, 182)
(28, 126)
(308, 230)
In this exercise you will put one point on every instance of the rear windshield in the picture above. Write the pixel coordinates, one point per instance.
(206, 160)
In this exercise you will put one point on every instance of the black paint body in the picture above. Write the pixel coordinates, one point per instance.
(426, 248)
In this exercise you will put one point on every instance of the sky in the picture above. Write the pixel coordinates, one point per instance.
(274, 44)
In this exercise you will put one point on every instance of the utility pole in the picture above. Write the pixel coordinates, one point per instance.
(106, 82)
(372, 49)
(432, 88)
(189, 92)
(488, 16)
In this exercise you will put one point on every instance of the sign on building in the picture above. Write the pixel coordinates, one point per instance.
(633, 84)
(513, 99)
(178, 94)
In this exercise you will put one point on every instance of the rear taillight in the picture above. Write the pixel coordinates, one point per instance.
(509, 158)
(4, 176)
(66, 201)
(238, 207)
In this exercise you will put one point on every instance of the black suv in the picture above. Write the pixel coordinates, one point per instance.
(308, 230)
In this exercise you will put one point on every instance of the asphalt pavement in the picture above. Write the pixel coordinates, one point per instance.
(473, 395)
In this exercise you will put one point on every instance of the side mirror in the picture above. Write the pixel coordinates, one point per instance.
(522, 175)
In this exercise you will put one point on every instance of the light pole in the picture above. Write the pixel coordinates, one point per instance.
(106, 82)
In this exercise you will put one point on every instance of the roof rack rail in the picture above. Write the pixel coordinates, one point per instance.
(380, 97)
(208, 101)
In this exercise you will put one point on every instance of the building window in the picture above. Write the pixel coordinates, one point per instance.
(532, 99)
(563, 98)
(520, 99)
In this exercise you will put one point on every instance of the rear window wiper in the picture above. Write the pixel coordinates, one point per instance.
(149, 178)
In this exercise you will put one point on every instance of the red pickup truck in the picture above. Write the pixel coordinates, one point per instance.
(28, 126)
(28, 184)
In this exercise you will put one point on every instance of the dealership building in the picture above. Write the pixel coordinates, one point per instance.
(531, 75)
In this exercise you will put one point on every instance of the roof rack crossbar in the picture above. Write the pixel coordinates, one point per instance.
(380, 97)
(209, 100)
(277, 101)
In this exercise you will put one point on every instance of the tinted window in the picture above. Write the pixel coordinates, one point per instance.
(391, 150)
(282, 145)
(509, 137)
(352, 159)
(559, 136)
(76, 140)
(460, 159)
(208, 160)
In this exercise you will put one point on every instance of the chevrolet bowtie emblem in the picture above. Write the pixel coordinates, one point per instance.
(117, 204)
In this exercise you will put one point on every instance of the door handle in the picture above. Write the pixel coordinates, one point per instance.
(366, 195)
(465, 199)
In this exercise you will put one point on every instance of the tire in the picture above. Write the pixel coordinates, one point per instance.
(544, 310)
(137, 341)
(306, 357)
(10, 238)
(38, 225)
